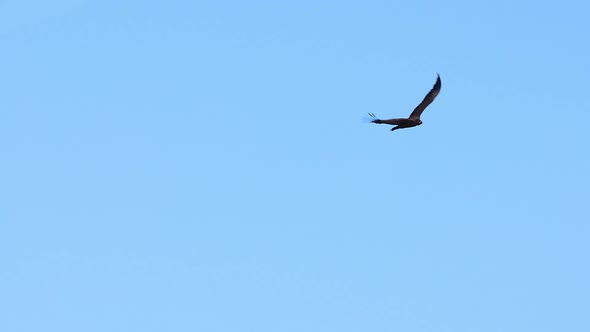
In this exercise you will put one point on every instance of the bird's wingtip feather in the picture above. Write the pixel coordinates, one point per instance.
(371, 119)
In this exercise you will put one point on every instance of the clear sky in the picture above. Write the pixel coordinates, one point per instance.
(207, 166)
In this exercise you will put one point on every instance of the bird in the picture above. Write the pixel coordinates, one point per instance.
(414, 119)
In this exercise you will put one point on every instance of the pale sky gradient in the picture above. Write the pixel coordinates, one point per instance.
(205, 166)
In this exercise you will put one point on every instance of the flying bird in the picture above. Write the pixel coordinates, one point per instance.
(414, 119)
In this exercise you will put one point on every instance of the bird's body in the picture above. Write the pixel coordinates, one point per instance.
(414, 119)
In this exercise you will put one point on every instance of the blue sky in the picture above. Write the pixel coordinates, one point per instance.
(206, 166)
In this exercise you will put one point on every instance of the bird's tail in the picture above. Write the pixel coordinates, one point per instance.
(373, 118)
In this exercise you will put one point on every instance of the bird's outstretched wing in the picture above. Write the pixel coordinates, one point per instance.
(387, 121)
(427, 100)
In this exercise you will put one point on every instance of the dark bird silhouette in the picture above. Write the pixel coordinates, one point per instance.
(414, 119)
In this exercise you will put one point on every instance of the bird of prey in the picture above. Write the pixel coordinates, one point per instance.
(414, 119)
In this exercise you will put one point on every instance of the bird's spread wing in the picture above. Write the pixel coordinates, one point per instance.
(394, 122)
(427, 100)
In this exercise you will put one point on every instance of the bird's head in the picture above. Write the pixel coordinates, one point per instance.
(419, 122)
